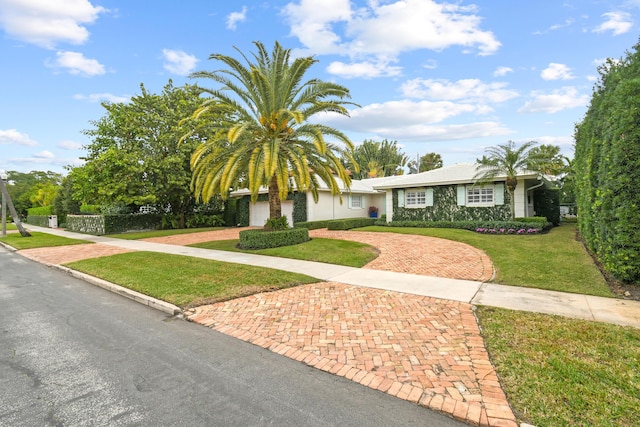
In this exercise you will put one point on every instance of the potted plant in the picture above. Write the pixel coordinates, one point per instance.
(373, 212)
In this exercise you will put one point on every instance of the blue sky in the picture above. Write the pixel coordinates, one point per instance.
(448, 77)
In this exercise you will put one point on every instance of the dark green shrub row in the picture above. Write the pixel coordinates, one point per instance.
(349, 223)
(547, 204)
(39, 220)
(260, 239)
(477, 225)
(539, 220)
(337, 224)
(607, 168)
(40, 211)
(313, 225)
(112, 224)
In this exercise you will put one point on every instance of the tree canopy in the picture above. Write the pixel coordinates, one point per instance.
(269, 140)
(134, 158)
(427, 162)
(377, 159)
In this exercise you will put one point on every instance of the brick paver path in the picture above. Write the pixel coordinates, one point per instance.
(421, 349)
(64, 254)
(429, 256)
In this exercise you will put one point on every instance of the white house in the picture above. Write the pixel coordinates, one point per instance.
(452, 192)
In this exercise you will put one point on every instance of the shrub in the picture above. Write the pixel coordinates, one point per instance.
(90, 209)
(348, 224)
(261, 239)
(276, 224)
(488, 227)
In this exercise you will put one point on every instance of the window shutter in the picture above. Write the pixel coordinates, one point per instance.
(429, 196)
(350, 202)
(499, 194)
(462, 195)
(401, 198)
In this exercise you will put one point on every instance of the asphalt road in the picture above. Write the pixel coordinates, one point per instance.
(75, 355)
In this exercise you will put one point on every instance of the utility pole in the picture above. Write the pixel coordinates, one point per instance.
(6, 199)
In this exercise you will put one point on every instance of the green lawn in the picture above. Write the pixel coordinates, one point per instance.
(565, 372)
(161, 233)
(341, 252)
(38, 240)
(186, 281)
(553, 261)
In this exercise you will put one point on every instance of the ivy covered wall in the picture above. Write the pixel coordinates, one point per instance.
(445, 208)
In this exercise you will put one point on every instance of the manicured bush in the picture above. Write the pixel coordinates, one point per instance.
(261, 239)
(349, 223)
(485, 227)
(312, 225)
(40, 211)
(39, 220)
(607, 168)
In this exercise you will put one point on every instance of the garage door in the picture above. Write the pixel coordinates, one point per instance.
(259, 213)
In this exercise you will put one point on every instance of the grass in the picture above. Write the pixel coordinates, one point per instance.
(38, 240)
(186, 281)
(340, 252)
(565, 372)
(552, 261)
(161, 233)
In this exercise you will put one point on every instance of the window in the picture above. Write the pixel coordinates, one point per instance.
(355, 202)
(416, 198)
(480, 196)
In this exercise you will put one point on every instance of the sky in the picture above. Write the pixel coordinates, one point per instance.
(450, 77)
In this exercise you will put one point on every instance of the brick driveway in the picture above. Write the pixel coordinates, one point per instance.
(417, 348)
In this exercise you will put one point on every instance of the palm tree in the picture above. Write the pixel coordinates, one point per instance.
(377, 159)
(269, 141)
(506, 160)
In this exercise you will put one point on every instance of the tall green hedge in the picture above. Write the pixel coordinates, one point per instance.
(607, 168)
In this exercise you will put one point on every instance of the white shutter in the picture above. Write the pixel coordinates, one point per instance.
(350, 202)
(462, 195)
(429, 196)
(499, 194)
(401, 198)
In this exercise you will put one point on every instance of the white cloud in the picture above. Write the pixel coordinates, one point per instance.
(557, 100)
(616, 22)
(47, 155)
(75, 63)
(102, 97)
(410, 121)
(466, 90)
(567, 23)
(12, 136)
(386, 28)
(69, 145)
(46, 23)
(235, 17)
(556, 71)
(502, 71)
(363, 69)
(179, 62)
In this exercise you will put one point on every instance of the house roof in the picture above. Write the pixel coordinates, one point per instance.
(364, 186)
(461, 173)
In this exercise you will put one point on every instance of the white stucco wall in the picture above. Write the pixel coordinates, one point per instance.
(259, 213)
(329, 207)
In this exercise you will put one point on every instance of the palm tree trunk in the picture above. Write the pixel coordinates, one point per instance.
(275, 204)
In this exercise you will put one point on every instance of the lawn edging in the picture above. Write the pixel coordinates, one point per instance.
(125, 292)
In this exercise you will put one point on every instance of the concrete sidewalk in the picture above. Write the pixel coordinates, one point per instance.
(611, 310)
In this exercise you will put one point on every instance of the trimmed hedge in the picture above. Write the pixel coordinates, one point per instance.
(39, 220)
(112, 224)
(40, 211)
(607, 168)
(337, 224)
(260, 239)
(500, 227)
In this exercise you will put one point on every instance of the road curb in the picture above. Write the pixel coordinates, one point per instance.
(127, 293)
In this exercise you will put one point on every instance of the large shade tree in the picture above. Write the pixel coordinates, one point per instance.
(134, 159)
(270, 141)
(507, 160)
